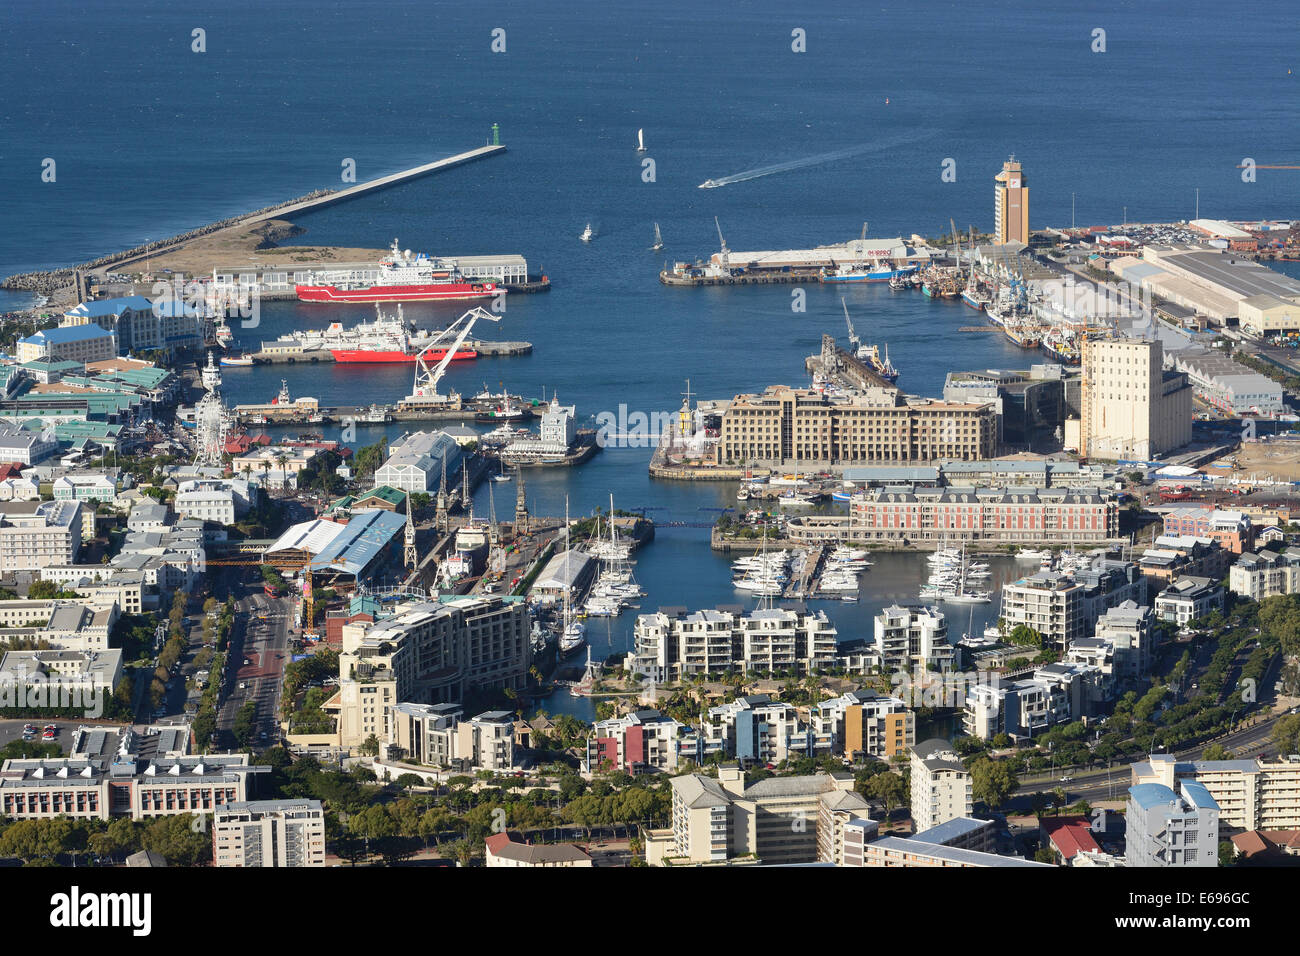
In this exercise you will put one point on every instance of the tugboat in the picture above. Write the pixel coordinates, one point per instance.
(587, 234)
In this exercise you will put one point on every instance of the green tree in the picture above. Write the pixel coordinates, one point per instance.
(992, 781)
(888, 788)
(1045, 854)
(1217, 752)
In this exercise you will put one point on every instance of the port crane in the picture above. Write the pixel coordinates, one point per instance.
(426, 378)
(724, 256)
(855, 343)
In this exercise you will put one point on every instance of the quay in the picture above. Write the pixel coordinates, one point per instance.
(273, 354)
(766, 278)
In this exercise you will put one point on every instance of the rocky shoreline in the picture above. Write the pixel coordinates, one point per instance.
(46, 282)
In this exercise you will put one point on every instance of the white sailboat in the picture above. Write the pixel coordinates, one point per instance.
(587, 234)
(659, 240)
(640, 141)
(573, 634)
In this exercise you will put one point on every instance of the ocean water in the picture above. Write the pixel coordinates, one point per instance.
(150, 139)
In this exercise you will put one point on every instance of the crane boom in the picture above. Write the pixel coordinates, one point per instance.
(722, 242)
(426, 379)
(854, 341)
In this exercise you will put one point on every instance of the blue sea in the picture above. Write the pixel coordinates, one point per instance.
(150, 138)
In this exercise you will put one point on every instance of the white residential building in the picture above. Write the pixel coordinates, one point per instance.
(1265, 574)
(1168, 829)
(1127, 628)
(36, 535)
(24, 445)
(913, 638)
(941, 785)
(289, 833)
(756, 729)
(673, 642)
(221, 501)
(1188, 599)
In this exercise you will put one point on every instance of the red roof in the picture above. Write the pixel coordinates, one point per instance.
(10, 469)
(497, 842)
(1070, 835)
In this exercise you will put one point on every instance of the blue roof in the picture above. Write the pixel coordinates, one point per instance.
(1197, 794)
(1148, 795)
(950, 830)
(71, 333)
(363, 538)
(97, 307)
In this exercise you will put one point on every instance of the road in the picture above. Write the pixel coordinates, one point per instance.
(1112, 783)
(258, 652)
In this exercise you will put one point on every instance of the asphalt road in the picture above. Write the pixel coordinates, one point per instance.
(259, 637)
(1112, 783)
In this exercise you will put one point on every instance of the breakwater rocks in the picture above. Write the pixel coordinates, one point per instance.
(48, 281)
(44, 283)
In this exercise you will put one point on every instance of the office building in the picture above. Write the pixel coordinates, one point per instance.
(804, 427)
(911, 514)
(1232, 529)
(1010, 204)
(427, 652)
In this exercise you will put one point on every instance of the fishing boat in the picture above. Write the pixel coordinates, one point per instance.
(587, 234)
(238, 361)
(659, 240)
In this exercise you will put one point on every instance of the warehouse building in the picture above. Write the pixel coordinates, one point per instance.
(1228, 385)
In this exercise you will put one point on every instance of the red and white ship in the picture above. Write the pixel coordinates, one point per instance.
(402, 278)
(387, 339)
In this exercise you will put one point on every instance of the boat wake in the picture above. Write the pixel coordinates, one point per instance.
(817, 160)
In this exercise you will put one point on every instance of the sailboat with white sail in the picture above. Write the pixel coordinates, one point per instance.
(640, 141)
(659, 240)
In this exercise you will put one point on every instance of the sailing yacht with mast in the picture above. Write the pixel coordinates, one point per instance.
(573, 634)
(640, 141)
(659, 240)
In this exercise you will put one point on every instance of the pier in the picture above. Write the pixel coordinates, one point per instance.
(319, 201)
